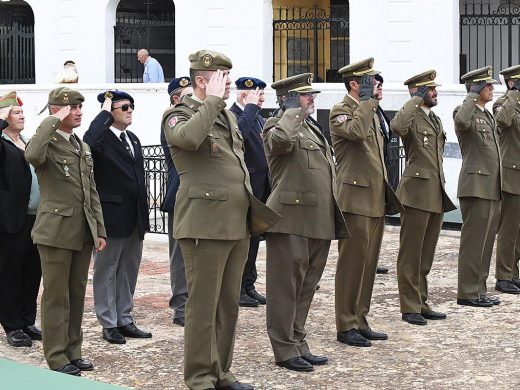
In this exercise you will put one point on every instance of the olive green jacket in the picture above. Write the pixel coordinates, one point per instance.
(362, 182)
(68, 191)
(422, 185)
(215, 199)
(507, 115)
(481, 172)
(302, 174)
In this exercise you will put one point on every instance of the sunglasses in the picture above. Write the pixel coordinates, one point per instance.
(125, 107)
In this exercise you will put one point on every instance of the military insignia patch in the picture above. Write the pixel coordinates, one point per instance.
(311, 78)
(65, 98)
(173, 121)
(342, 118)
(248, 83)
(490, 72)
(183, 82)
(207, 60)
(108, 95)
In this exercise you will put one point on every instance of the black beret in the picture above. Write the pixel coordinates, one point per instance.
(179, 82)
(115, 96)
(249, 83)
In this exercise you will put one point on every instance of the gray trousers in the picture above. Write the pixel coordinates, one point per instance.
(115, 277)
(177, 274)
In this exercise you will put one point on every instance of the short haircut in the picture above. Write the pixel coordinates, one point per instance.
(347, 81)
(194, 73)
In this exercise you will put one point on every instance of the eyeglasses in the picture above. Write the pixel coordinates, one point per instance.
(125, 107)
(309, 94)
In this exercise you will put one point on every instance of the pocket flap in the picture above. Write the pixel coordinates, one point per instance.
(417, 173)
(110, 198)
(67, 160)
(309, 145)
(511, 164)
(208, 192)
(57, 208)
(360, 181)
(477, 171)
(298, 198)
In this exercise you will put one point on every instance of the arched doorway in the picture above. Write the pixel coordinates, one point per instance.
(16, 43)
(148, 24)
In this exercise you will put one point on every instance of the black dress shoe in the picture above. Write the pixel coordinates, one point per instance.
(83, 364)
(434, 315)
(257, 296)
(507, 287)
(381, 270)
(130, 330)
(516, 282)
(371, 335)
(236, 386)
(487, 298)
(17, 338)
(33, 332)
(315, 360)
(296, 364)
(179, 321)
(474, 302)
(69, 369)
(113, 336)
(354, 338)
(247, 301)
(414, 318)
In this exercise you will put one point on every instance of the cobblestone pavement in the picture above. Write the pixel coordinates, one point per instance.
(472, 349)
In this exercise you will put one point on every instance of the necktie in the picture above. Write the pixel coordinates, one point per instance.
(73, 141)
(434, 120)
(125, 144)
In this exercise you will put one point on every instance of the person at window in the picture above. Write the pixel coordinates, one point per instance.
(302, 175)
(121, 184)
(153, 71)
(479, 189)
(20, 270)
(363, 191)
(423, 195)
(250, 97)
(69, 223)
(177, 88)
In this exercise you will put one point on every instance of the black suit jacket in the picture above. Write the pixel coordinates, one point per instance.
(250, 124)
(119, 178)
(15, 185)
(172, 185)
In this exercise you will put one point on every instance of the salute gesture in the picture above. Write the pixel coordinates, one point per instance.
(253, 97)
(62, 113)
(216, 86)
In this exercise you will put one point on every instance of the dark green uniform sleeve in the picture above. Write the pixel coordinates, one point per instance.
(464, 112)
(280, 135)
(403, 120)
(36, 150)
(354, 126)
(505, 109)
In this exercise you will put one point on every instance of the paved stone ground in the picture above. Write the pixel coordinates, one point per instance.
(472, 349)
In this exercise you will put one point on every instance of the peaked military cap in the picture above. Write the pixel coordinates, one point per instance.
(64, 96)
(424, 79)
(359, 68)
(301, 83)
(178, 83)
(115, 96)
(10, 99)
(245, 83)
(209, 60)
(478, 75)
(513, 72)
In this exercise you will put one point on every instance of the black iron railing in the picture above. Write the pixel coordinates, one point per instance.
(17, 54)
(156, 175)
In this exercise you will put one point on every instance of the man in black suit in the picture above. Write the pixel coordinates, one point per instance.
(250, 97)
(177, 88)
(20, 270)
(120, 181)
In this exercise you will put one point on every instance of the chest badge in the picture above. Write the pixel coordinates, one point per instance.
(66, 170)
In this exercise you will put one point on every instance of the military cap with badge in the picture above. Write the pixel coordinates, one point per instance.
(178, 83)
(424, 79)
(117, 96)
(10, 99)
(209, 60)
(63, 96)
(478, 75)
(249, 83)
(300, 83)
(512, 74)
(359, 69)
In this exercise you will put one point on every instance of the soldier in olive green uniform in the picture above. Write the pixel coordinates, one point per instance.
(362, 188)
(69, 223)
(479, 189)
(507, 114)
(302, 173)
(215, 213)
(423, 195)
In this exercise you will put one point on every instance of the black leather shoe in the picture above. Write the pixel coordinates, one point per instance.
(516, 282)
(69, 369)
(507, 287)
(113, 336)
(17, 338)
(414, 318)
(179, 321)
(257, 296)
(33, 332)
(296, 364)
(315, 360)
(247, 301)
(236, 386)
(83, 364)
(474, 302)
(354, 338)
(493, 300)
(369, 334)
(381, 270)
(130, 330)
(434, 315)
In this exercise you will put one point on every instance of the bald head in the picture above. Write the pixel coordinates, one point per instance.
(142, 55)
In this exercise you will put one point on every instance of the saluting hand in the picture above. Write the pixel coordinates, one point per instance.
(478, 87)
(62, 113)
(292, 100)
(516, 85)
(107, 105)
(216, 86)
(4, 112)
(253, 97)
(421, 92)
(366, 87)
(101, 244)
